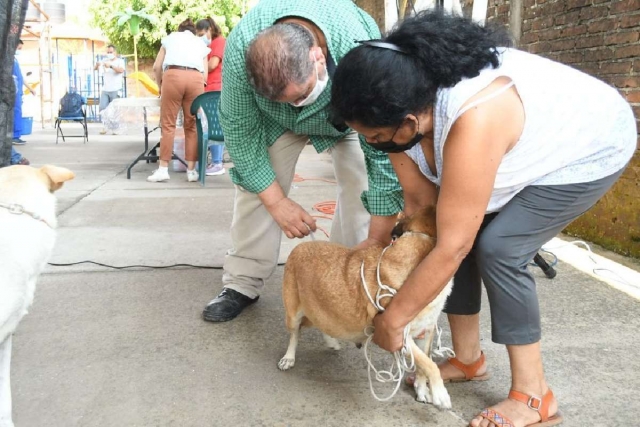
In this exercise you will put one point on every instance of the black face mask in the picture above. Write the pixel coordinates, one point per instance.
(392, 147)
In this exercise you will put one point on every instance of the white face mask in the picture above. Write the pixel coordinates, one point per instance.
(317, 89)
(110, 56)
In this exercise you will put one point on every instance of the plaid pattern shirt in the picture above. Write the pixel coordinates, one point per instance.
(252, 123)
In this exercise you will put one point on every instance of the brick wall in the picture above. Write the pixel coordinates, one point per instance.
(497, 11)
(602, 38)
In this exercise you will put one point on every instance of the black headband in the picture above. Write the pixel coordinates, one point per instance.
(382, 45)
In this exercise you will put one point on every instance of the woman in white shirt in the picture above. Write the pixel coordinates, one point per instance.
(511, 147)
(181, 72)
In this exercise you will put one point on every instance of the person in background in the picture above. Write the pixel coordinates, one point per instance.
(18, 159)
(113, 69)
(18, 80)
(210, 33)
(181, 72)
(511, 147)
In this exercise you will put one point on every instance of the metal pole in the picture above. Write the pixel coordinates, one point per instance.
(479, 11)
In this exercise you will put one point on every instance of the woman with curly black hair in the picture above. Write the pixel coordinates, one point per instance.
(511, 147)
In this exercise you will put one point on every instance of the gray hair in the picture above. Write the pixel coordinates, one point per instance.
(279, 55)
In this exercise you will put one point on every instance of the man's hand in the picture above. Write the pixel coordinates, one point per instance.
(292, 218)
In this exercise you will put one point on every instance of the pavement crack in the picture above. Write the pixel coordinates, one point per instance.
(90, 192)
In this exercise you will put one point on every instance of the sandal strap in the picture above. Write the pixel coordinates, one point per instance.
(471, 369)
(539, 404)
(496, 418)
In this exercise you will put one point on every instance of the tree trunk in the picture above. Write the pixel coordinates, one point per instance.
(375, 8)
(135, 64)
(12, 14)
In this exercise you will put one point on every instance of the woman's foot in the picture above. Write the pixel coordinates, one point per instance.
(475, 370)
(192, 175)
(519, 414)
(457, 370)
(159, 175)
(215, 169)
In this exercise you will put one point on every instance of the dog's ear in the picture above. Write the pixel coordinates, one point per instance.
(423, 221)
(56, 176)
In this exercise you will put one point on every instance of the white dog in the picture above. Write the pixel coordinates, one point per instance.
(27, 235)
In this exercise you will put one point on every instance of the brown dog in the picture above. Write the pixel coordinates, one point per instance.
(323, 287)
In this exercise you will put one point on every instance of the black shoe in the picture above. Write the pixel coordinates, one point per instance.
(18, 141)
(226, 306)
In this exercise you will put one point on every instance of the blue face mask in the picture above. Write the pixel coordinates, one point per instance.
(206, 40)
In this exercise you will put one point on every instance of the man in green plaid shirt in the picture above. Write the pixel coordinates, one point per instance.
(276, 87)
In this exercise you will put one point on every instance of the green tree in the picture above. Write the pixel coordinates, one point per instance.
(133, 18)
(169, 14)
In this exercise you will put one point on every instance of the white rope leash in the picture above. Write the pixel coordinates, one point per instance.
(441, 351)
(396, 371)
(399, 366)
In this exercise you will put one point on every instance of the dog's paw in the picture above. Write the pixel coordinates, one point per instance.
(286, 363)
(440, 397)
(422, 390)
(331, 342)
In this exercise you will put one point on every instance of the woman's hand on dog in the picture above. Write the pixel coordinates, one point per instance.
(387, 336)
(292, 218)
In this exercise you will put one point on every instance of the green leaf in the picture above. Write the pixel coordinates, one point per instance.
(123, 19)
(134, 25)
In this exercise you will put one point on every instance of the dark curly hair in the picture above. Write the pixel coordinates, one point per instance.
(378, 87)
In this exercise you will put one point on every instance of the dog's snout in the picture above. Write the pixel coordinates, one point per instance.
(397, 231)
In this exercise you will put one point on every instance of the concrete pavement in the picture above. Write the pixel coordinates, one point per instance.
(107, 347)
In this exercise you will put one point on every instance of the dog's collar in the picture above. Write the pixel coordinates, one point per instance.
(17, 209)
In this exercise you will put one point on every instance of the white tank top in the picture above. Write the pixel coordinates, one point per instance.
(577, 128)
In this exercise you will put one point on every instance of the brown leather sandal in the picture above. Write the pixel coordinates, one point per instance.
(469, 371)
(541, 405)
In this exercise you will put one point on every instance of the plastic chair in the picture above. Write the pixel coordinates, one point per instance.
(80, 119)
(208, 127)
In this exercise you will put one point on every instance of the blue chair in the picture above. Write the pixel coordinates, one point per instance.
(209, 133)
(79, 116)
